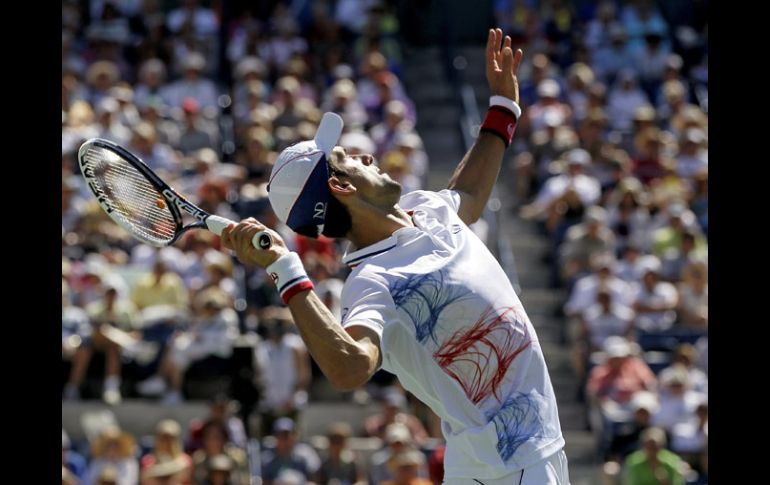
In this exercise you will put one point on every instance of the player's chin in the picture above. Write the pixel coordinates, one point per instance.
(393, 187)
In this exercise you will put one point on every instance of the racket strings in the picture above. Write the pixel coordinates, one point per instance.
(137, 204)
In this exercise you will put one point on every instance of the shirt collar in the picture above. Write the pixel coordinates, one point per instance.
(353, 259)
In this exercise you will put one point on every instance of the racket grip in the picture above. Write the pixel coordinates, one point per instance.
(262, 240)
(217, 224)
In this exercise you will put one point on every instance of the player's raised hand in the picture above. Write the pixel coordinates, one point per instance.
(238, 237)
(502, 65)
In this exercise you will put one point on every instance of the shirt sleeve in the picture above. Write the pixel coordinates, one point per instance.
(366, 302)
(451, 197)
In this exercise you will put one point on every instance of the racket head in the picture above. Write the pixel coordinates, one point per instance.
(130, 192)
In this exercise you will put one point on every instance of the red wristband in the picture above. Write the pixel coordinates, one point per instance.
(293, 290)
(501, 122)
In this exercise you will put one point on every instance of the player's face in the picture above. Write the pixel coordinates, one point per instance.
(362, 172)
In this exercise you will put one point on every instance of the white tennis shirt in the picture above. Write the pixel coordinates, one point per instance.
(453, 330)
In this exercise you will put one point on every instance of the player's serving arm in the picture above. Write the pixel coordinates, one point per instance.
(425, 298)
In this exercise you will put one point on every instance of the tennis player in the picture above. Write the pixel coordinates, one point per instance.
(425, 300)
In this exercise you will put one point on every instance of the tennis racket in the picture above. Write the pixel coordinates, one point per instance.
(141, 202)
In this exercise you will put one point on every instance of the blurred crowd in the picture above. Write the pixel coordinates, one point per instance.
(611, 157)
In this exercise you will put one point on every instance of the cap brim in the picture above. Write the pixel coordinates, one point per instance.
(329, 132)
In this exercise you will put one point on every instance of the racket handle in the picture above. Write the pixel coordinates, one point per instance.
(262, 240)
(216, 224)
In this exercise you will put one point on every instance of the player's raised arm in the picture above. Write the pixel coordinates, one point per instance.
(477, 172)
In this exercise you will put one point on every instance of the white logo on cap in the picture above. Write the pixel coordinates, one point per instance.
(320, 210)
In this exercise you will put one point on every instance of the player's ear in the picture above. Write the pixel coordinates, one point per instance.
(341, 187)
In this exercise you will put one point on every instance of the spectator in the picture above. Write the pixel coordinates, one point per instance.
(208, 342)
(676, 260)
(101, 77)
(397, 439)
(653, 463)
(75, 343)
(674, 223)
(612, 58)
(405, 467)
(192, 85)
(339, 466)
(113, 452)
(693, 295)
(393, 411)
(548, 92)
(585, 241)
(221, 410)
(196, 134)
(627, 437)
(215, 443)
(678, 401)
(623, 101)
(289, 454)
(146, 145)
(690, 439)
(384, 134)
(202, 20)
(221, 471)
(71, 460)
(343, 100)
(603, 320)
(109, 125)
(167, 460)
(656, 301)
(617, 380)
(566, 195)
(152, 75)
(628, 216)
(693, 156)
(586, 290)
(685, 356)
(160, 287)
(286, 368)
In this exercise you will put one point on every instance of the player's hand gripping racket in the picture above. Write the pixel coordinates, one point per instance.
(139, 201)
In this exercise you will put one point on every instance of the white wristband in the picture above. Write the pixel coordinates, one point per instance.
(506, 103)
(289, 275)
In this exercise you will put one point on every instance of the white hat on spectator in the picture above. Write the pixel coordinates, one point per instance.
(408, 139)
(250, 65)
(648, 264)
(617, 347)
(695, 135)
(409, 457)
(578, 156)
(553, 117)
(107, 105)
(395, 107)
(343, 71)
(358, 142)
(397, 433)
(548, 88)
(595, 215)
(122, 93)
(195, 61)
(344, 88)
(96, 265)
(674, 375)
(645, 400)
(171, 257)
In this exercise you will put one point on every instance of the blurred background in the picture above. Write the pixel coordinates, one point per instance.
(181, 366)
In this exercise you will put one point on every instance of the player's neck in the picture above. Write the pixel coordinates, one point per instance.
(372, 225)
